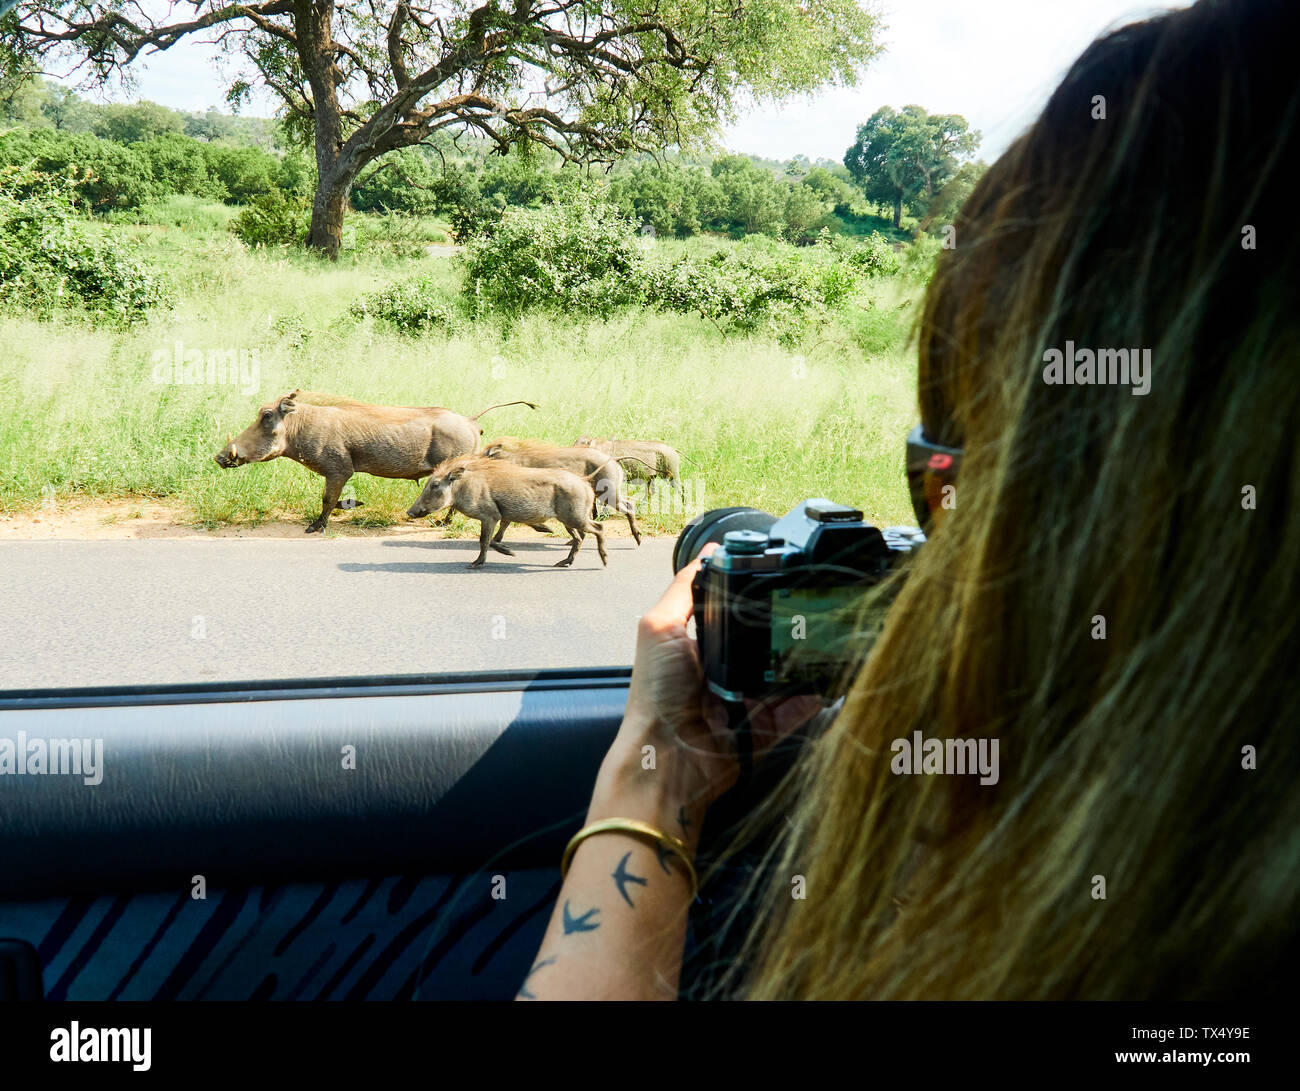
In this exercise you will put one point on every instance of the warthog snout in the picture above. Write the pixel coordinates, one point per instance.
(228, 456)
(435, 496)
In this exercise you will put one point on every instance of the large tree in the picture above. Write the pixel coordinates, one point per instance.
(592, 79)
(906, 158)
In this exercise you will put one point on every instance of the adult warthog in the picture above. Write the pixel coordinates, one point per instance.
(337, 437)
(654, 459)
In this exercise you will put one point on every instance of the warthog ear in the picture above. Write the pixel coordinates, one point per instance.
(493, 451)
(287, 404)
(455, 474)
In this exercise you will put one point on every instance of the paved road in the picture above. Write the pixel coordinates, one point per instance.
(81, 613)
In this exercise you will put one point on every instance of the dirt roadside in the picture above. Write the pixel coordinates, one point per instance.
(115, 520)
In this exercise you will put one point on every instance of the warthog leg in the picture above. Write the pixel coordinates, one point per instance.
(486, 527)
(575, 543)
(625, 506)
(595, 529)
(496, 541)
(333, 490)
(541, 528)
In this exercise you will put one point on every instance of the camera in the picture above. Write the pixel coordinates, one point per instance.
(778, 605)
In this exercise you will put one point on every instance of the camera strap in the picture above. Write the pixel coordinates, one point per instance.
(738, 721)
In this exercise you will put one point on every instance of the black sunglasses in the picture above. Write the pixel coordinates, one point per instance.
(930, 467)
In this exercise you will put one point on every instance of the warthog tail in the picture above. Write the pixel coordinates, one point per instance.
(502, 405)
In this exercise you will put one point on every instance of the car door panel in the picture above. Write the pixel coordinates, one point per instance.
(427, 871)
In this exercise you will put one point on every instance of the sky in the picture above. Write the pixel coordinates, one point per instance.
(993, 61)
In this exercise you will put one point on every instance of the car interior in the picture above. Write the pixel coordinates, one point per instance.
(377, 838)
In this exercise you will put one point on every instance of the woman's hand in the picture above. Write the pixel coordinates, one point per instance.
(675, 753)
(673, 756)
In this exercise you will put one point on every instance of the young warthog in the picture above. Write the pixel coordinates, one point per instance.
(498, 493)
(654, 459)
(337, 437)
(583, 461)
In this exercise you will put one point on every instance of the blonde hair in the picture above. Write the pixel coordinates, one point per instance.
(1125, 760)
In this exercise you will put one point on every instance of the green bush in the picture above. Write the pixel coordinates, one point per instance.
(246, 173)
(51, 259)
(273, 219)
(178, 166)
(401, 235)
(752, 287)
(673, 200)
(872, 256)
(402, 181)
(296, 174)
(127, 123)
(413, 306)
(521, 180)
(919, 257)
(579, 257)
(470, 215)
(109, 176)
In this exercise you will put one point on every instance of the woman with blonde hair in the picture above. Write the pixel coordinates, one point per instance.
(1112, 598)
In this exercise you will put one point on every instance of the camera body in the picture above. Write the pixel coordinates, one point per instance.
(777, 605)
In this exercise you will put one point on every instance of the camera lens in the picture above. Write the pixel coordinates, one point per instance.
(713, 526)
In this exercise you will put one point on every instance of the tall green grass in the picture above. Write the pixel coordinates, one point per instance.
(763, 424)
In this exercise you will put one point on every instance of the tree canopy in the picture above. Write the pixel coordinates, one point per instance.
(906, 158)
(590, 79)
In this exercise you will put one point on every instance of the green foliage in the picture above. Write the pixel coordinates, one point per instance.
(673, 200)
(581, 256)
(753, 199)
(179, 166)
(472, 216)
(905, 158)
(130, 123)
(109, 175)
(803, 213)
(273, 219)
(918, 258)
(65, 110)
(403, 181)
(52, 260)
(255, 132)
(872, 256)
(398, 234)
(948, 201)
(245, 173)
(521, 180)
(297, 174)
(750, 288)
(196, 216)
(834, 190)
(292, 329)
(414, 307)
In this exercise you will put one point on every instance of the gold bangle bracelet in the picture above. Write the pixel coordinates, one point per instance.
(636, 828)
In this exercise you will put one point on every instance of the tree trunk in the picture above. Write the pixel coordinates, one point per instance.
(898, 212)
(327, 213)
(334, 171)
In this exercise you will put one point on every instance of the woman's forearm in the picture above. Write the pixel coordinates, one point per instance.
(619, 925)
